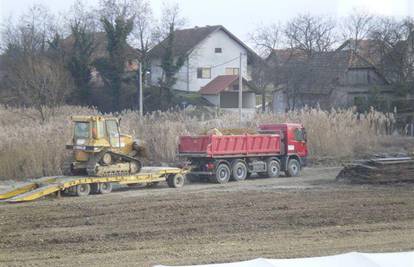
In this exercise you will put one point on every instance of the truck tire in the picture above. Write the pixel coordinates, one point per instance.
(82, 190)
(273, 168)
(239, 170)
(176, 180)
(293, 168)
(105, 188)
(222, 174)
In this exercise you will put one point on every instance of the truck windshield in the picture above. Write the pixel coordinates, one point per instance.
(81, 129)
(299, 135)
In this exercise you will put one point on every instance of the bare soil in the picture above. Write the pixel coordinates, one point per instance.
(205, 223)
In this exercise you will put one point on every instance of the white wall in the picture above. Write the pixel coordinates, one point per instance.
(203, 55)
(231, 100)
(213, 99)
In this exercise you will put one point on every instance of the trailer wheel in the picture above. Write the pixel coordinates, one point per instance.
(239, 170)
(105, 188)
(273, 168)
(82, 190)
(293, 168)
(176, 180)
(222, 174)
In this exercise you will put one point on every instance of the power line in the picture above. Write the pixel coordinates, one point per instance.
(211, 67)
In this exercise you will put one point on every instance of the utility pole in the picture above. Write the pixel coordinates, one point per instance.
(141, 102)
(240, 90)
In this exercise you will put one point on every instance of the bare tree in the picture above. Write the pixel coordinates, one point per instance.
(111, 10)
(143, 25)
(35, 74)
(266, 38)
(170, 19)
(80, 14)
(310, 33)
(143, 34)
(39, 82)
(35, 28)
(357, 26)
(262, 78)
(394, 49)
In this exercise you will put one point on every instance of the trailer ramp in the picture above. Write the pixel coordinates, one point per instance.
(49, 185)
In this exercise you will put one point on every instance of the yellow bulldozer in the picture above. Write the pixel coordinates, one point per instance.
(99, 149)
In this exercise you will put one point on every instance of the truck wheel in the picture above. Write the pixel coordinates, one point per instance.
(293, 168)
(273, 168)
(176, 180)
(105, 188)
(222, 174)
(239, 170)
(82, 190)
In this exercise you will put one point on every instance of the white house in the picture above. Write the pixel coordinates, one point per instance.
(208, 51)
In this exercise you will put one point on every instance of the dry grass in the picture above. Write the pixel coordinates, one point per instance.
(29, 148)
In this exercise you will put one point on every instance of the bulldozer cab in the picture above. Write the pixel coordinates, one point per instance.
(113, 133)
(96, 131)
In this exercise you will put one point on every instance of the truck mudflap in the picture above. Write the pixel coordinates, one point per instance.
(303, 161)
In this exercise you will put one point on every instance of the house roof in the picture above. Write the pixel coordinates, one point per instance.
(100, 46)
(186, 40)
(280, 56)
(221, 83)
(367, 48)
(316, 74)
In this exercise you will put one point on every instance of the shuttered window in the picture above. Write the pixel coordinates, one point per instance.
(203, 73)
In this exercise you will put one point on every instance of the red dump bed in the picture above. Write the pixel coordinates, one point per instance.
(228, 145)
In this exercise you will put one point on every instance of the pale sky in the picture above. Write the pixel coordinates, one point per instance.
(238, 16)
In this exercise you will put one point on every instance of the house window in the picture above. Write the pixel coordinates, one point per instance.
(217, 50)
(203, 73)
(232, 71)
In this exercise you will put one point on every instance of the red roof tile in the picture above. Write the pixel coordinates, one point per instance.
(218, 84)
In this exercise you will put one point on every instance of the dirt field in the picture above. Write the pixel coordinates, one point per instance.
(205, 223)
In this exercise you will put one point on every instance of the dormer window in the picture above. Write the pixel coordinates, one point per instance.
(217, 50)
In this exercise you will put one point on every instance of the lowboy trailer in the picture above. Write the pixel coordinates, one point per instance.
(276, 148)
(85, 185)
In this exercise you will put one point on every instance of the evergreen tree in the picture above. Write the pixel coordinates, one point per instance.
(112, 68)
(79, 63)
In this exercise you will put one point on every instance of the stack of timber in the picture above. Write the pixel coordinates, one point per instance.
(379, 170)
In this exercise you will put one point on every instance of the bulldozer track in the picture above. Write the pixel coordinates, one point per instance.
(93, 167)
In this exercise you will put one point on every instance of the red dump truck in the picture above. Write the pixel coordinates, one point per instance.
(276, 148)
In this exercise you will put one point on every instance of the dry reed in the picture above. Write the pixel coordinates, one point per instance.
(30, 148)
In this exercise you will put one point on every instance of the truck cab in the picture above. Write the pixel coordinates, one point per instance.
(293, 137)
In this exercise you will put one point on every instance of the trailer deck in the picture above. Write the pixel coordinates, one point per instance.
(44, 186)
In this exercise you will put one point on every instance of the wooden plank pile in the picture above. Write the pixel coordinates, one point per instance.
(379, 170)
